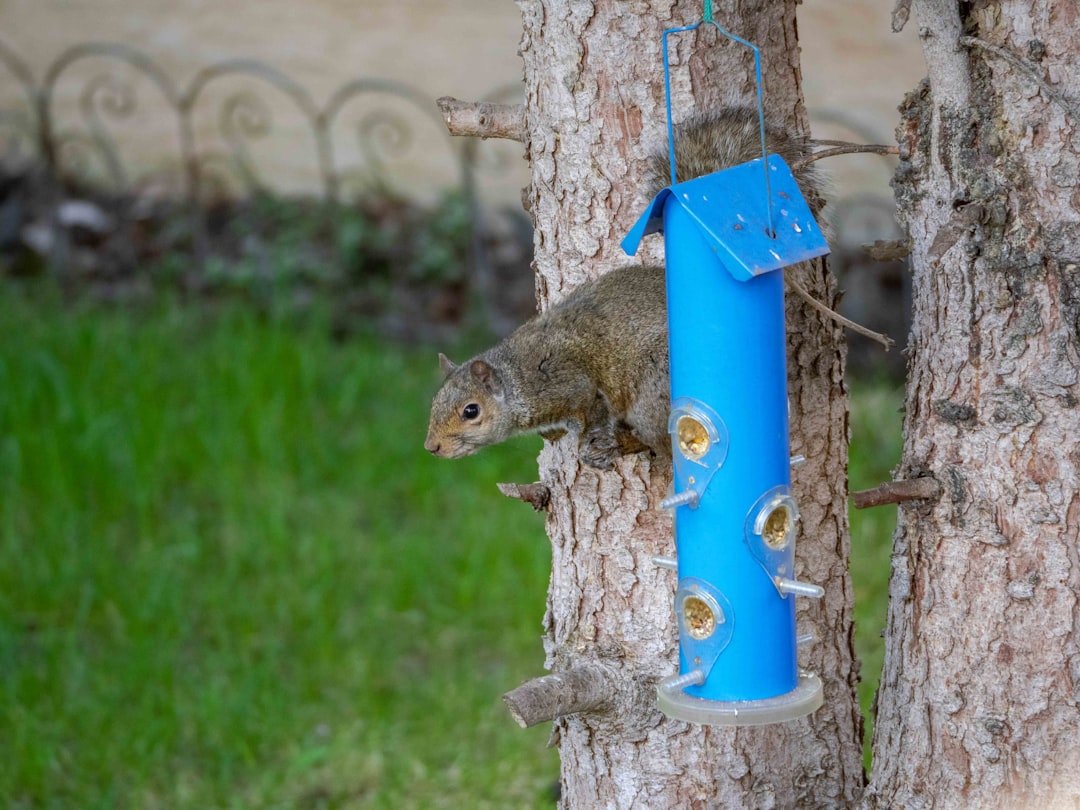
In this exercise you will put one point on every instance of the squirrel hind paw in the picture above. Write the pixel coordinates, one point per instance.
(600, 452)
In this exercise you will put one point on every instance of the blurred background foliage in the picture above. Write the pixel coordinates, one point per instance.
(233, 578)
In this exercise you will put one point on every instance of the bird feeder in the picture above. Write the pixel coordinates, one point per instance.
(726, 237)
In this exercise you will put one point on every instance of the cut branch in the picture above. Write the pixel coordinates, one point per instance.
(483, 119)
(537, 495)
(581, 689)
(884, 340)
(887, 250)
(912, 489)
(900, 14)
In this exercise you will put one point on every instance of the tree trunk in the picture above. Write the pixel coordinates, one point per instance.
(594, 111)
(978, 699)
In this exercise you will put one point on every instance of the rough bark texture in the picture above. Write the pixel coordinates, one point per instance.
(979, 699)
(594, 111)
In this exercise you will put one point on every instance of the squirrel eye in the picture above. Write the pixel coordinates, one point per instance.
(471, 411)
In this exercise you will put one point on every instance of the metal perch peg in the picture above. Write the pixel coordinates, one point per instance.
(686, 498)
(786, 586)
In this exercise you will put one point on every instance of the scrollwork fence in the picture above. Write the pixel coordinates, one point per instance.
(393, 125)
(364, 139)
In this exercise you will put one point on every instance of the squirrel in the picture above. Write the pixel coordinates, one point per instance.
(596, 363)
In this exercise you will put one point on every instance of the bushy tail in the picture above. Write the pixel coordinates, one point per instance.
(709, 142)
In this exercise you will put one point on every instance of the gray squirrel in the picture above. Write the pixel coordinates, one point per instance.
(596, 363)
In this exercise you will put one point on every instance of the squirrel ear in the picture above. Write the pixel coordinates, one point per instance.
(445, 364)
(487, 378)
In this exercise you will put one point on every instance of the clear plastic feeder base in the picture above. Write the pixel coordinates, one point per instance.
(805, 698)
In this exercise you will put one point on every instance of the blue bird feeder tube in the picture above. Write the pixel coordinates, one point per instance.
(735, 517)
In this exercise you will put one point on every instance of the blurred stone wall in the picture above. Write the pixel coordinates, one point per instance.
(855, 71)
(463, 49)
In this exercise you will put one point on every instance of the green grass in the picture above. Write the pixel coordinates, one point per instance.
(876, 424)
(233, 579)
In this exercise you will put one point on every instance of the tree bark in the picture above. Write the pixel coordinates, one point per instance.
(978, 705)
(594, 110)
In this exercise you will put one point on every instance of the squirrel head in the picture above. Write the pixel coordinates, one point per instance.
(469, 411)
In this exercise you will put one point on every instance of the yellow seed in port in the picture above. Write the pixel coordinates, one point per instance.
(692, 436)
(698, 617)
(777, 527)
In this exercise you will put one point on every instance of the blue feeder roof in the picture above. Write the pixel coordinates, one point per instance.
(729, 208)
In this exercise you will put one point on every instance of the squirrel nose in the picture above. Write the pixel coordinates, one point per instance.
(432, 447)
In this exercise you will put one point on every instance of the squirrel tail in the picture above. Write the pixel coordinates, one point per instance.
(709, 142)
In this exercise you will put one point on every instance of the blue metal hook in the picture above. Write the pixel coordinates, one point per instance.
(760, 101)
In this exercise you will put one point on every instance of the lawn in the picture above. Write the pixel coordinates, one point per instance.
(233, 579)
(876, 423)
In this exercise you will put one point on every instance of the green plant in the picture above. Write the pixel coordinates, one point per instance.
(233, 577)
(876, 424)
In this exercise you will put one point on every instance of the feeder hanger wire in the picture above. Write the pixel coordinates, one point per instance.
(708, 20)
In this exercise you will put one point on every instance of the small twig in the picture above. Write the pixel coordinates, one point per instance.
(887, 250)
(831, 142)
(884, 340)
(911, 489)
(537, 495)
(1025, 67)
(483, 119)
(584, 688)
(845, 149)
